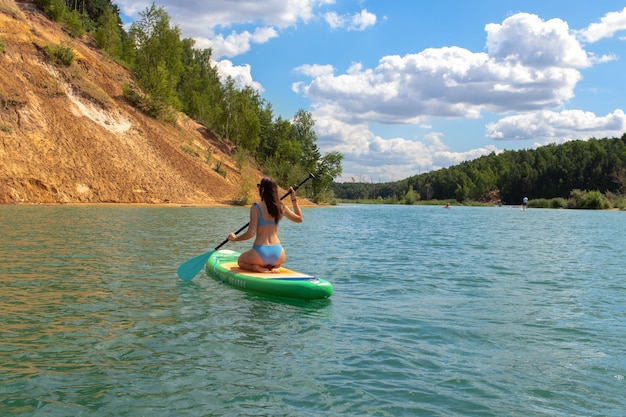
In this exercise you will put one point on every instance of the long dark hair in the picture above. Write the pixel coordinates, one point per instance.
(268, 190)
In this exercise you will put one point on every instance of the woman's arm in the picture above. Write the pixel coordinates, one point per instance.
(251, 232)
(296, 214)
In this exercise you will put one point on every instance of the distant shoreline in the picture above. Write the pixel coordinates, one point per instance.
(301, 203)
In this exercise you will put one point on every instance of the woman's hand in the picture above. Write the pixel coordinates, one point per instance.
(232, 237)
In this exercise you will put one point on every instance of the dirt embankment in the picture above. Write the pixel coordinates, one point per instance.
(68, 136)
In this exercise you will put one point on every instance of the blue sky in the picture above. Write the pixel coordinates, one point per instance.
(402, 87)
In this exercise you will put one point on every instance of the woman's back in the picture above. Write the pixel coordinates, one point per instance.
(267, 229)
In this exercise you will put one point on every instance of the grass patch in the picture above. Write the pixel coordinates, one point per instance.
(14, 13)
(209, 156)
(219, 169)
(189, 149)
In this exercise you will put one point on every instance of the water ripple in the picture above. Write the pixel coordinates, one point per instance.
(465, 312)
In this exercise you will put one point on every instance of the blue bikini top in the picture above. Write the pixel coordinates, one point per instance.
(262, 221)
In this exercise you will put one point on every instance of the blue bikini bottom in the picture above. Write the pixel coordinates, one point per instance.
(270, 254)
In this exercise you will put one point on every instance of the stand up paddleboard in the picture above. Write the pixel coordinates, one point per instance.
(222, 266)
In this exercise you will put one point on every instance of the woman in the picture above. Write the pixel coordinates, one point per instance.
(267, 254)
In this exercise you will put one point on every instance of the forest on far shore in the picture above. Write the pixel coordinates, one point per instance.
(587, 174)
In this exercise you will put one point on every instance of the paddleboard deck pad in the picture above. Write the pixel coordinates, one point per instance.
(222, 266)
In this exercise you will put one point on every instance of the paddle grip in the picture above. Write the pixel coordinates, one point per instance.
(295, 187)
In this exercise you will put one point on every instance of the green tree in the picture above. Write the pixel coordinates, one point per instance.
(97, 9)
(108, 34)
(246, 125)
(273, 135)
(305, 136)
(409, 197)
(157, 61)
(73, 23)
(54, 9)
(199, 89)
(269, 132)
(328, 168)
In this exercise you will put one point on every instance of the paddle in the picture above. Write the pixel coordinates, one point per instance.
(190, 268)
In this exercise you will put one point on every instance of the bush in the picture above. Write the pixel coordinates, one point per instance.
(620, 203)
(132, 95)
(594, 200)
(61, 54)
(615, 200)
(554, 203)
(558, 203)
(575, 199)
(590, 200)
(409, 197)
(218, 168)
(138, 99)
(539, 203)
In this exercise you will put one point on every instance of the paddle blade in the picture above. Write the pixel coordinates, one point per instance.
(190, 268)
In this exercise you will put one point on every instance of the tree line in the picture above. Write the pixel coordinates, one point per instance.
(171, 75)
(576, 174)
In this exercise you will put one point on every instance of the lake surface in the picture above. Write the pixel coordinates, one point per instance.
(436, 312)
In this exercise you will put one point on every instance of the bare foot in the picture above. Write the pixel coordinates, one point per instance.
(275, 270)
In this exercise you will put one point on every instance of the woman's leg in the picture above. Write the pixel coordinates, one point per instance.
(281, 261)
(251, 261)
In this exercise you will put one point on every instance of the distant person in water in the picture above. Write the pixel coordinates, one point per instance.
(267, 254)
(447, 205)
(524, 203)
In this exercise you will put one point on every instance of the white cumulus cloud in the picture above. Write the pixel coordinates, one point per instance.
(201, 15)
(530, 66)
(356, 22)
(528, 40)
(550, 126)
(610, 23)
(235, 43)
(240, 74)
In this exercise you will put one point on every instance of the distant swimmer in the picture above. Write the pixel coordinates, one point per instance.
(447, 205)
(524, 203)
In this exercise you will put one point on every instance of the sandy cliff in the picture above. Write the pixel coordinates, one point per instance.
(68, 136)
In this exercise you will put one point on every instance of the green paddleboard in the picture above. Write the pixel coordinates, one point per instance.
(222, 266)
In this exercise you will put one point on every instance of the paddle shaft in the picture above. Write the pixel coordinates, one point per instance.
(282, 198)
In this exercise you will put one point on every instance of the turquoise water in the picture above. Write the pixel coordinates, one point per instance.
(459, 312)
